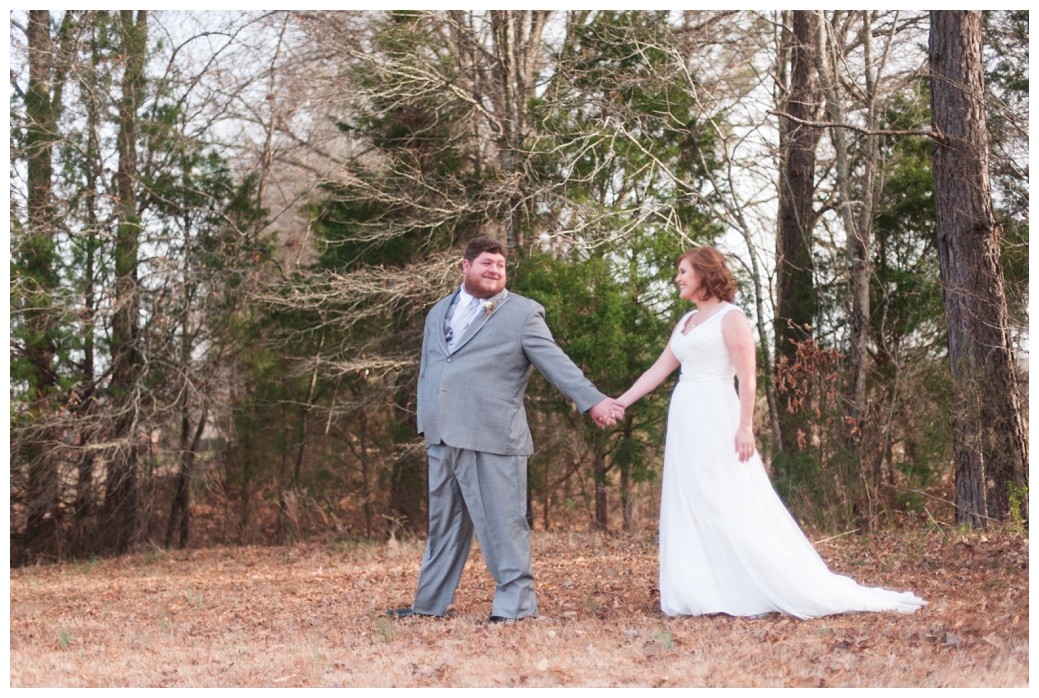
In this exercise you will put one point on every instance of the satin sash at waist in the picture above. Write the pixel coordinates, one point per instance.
(703, 378)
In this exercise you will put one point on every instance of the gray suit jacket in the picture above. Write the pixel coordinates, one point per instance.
(472, 398)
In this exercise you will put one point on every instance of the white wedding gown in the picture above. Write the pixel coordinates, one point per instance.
(727, 542)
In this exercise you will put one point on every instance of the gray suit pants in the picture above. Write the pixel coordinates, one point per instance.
(486, 493)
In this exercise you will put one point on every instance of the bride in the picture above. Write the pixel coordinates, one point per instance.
(727, 542)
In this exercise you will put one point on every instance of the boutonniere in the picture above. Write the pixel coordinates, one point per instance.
(488, 307)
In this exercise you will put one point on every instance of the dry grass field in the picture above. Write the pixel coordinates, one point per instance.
(311, 615)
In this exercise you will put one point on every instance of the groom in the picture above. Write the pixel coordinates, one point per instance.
(477, 351)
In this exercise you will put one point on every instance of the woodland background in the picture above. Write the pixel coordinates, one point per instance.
(226, 228)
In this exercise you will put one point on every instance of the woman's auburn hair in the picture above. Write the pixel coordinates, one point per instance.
(710, 265)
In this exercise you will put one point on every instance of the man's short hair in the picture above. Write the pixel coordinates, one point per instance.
(478, 245)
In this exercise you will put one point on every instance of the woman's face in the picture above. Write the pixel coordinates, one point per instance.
(688, 281)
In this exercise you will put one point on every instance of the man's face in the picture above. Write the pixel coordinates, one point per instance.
(485, 275)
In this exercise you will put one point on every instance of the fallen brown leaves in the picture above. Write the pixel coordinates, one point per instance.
(312, 615)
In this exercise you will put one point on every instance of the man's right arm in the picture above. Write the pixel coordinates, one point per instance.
(560, 370)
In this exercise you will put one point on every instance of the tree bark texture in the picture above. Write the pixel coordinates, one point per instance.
(600, 467)
(796, 296)
(858, 228)
(517, 59)
(38, 264)
(856, 197)
(989, 442)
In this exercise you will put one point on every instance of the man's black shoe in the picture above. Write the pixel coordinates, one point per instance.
(396, 613)
(500, 619)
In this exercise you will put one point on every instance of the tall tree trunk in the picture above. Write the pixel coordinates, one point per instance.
(517, 54)
(246, 456)
(796, 295)
(180, 511)
(85, 499)
(38, 262)
(989, 441)
(366, 470)
(288, 492)
(858, 227)
(855, 205)
(625, 481)
(36, 259)
(121, 500)
(602, 488)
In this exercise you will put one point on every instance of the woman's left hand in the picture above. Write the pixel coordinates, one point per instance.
(744, 443)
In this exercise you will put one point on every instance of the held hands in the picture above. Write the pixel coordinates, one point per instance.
(606, 413)
(744, 443)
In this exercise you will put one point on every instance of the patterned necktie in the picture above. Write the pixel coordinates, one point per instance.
(460, 321)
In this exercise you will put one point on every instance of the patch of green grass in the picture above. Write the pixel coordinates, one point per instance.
(64, 639)
(316, 660)
(347, 544)
(89, 565)
(1018, 505)
(666, 639)
(385, 628)
(154, 556)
